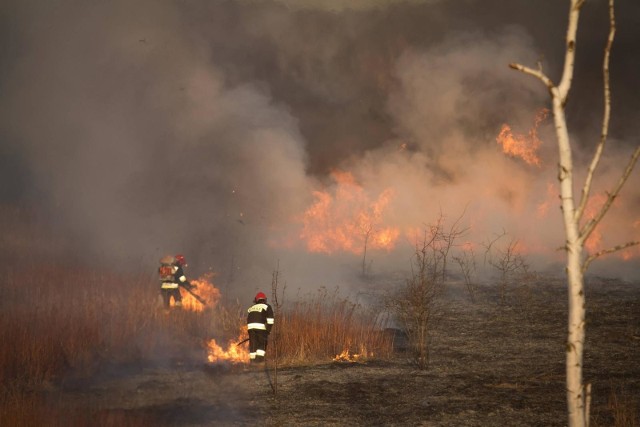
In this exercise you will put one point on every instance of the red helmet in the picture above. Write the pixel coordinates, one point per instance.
(180, 260)
(260, 296)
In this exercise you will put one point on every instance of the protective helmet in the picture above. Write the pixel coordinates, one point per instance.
(180, 260)
(260, 296)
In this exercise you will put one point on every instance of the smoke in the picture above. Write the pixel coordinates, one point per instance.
(154, 127)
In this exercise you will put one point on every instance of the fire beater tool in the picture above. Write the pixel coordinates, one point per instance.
(196, 296)
(242, 342)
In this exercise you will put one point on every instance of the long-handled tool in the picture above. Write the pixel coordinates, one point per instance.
(242, 342)
(196, 296)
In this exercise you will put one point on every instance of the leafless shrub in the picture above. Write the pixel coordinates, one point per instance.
(466, 260)
(513, 269)
(415, 304)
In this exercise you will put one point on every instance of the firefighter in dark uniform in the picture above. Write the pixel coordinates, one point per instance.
(172, 277)
(259, 323)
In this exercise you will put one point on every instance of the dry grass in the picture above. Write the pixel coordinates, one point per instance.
(60, 322)
(325, 325)
(68, 322)
(619, 411)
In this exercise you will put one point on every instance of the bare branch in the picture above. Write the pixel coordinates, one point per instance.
(536, 73)
(605, 117)
(487, 246)
(588, 228)
(598, 254)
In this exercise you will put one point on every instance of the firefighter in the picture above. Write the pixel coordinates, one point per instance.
(259, 323)
(172, 277)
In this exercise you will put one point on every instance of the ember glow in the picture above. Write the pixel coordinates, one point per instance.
(347, 219)
(520, 145)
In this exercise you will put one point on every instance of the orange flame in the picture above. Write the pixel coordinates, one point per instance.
(347, 356)
(205, 290)
(348, 220)
(543, 208)
(523, 146)
(234, 353)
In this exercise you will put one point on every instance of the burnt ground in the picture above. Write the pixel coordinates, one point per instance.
(490, 365)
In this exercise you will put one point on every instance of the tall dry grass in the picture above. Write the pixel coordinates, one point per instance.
(324, 325)
(59, 321)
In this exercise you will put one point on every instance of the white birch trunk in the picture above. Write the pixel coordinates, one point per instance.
(575, 282)
(577, 394)
(573, 245)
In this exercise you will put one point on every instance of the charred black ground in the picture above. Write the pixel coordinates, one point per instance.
(491, 365)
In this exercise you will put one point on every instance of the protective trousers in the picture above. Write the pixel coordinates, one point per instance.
(257, 345)
(168, 293)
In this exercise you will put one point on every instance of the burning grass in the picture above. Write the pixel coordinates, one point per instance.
(61, 324)
(325, 326)
(64, 324)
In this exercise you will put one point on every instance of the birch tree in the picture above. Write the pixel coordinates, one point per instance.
(573, 207)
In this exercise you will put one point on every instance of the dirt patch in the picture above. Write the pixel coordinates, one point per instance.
(489, 366)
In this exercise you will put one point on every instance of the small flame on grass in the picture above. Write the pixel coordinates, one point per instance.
(347, 356)
(234, 353)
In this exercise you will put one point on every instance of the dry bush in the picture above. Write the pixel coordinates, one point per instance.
(466, 260)
(513, 269)
(415, 305)
(327, 325)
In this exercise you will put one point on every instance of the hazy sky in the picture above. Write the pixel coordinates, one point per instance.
(145, 127)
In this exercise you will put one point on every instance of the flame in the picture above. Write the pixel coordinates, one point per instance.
(234, 353)
(205, 290)
(347, 220)
(523, 146)
(347, 356)
(543, 208)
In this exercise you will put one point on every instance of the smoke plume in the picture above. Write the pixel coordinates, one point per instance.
(143, 128)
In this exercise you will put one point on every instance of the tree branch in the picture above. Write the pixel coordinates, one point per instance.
(588, 228)
(590, 258)
(605, 117)
(536, 73)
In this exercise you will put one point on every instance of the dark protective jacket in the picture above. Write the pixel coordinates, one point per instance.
(260, 317)
(172, 276)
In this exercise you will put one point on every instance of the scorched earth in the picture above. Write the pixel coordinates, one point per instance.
(490, 365)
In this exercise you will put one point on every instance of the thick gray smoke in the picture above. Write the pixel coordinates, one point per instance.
(151, 127)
